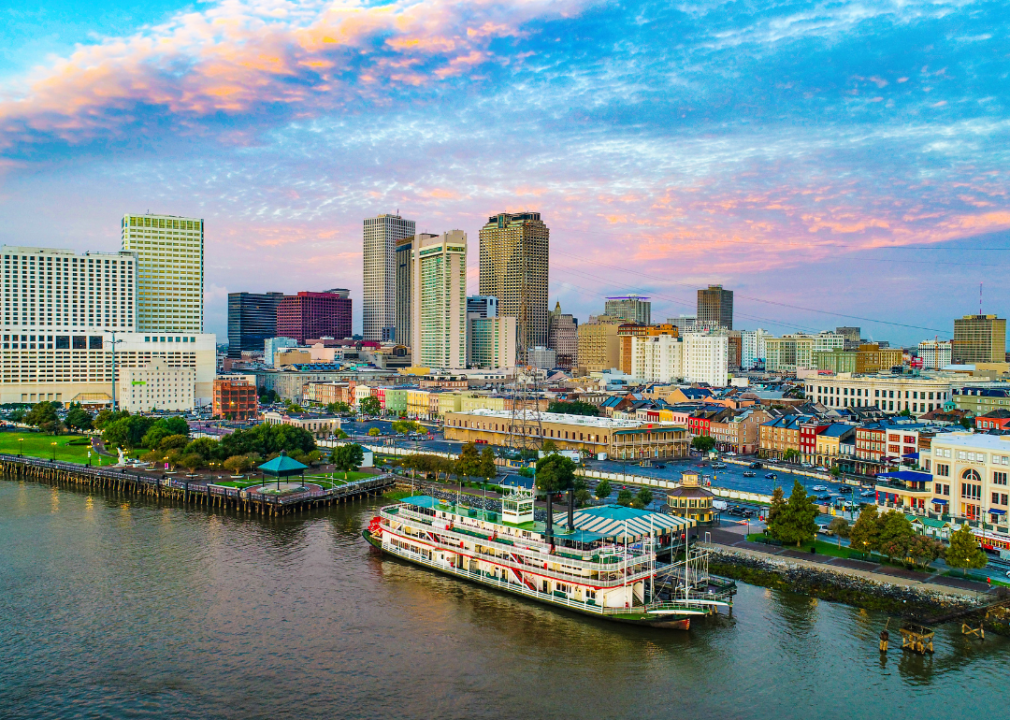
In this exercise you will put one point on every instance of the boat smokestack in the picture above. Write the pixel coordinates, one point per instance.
(571, 509)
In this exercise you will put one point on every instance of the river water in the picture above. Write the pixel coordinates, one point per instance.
(113, 607)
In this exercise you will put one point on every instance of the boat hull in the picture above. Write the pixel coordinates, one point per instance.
(668, 621)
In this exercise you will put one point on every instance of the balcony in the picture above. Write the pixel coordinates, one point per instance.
(910, 488)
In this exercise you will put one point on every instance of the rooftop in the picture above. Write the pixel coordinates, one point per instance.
(975, 441)
(563, 418)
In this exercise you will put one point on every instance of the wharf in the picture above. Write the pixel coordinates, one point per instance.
(189, 492)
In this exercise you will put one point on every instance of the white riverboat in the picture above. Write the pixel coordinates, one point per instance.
(603, 563)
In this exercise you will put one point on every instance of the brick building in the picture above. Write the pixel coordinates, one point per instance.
(314, 315)
(235, 398)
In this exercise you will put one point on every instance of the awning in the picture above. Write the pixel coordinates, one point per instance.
(911, 456)
(938, 501)
(994, 511)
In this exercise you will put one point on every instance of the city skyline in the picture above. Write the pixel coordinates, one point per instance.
(733, 164)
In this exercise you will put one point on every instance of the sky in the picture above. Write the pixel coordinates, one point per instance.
(835, 163)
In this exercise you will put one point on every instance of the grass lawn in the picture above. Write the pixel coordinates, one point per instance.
(41, 446)
(823, 548)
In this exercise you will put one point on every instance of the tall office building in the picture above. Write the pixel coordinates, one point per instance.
(979, 339)
(515, 251)
(630, 308)
(379, 254)
(252, 318)
(405, 286)
(438, 306)
(715, 305)
(60, 312)
(491, 342)
(563, 338)
(315, 315)
(935, 354)
(169, 271)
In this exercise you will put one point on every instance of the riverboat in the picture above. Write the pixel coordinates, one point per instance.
(603, 564)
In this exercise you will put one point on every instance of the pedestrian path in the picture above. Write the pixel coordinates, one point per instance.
(733, 538)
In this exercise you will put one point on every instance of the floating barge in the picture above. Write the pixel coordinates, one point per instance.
(608, 575)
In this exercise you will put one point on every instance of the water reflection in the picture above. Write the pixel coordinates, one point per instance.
(174, 612)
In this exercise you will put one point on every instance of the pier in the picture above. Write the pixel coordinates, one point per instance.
(190, 492)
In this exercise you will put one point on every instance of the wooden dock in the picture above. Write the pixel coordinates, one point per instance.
(190, 492)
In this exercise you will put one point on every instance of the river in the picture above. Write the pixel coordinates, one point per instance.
(120, 608)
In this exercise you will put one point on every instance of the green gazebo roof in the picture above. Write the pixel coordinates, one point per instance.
(282, 466)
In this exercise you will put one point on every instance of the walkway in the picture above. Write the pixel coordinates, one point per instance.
(731, 537)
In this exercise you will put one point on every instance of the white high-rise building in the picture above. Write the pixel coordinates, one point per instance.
(438, 305)
(379, 255)
(657, 358)
(60, 312)
(491, 342)
(935, 354)
(706, 358)
(752, 347)
(169, 253)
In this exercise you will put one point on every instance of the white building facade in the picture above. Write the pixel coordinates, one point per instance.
(438, 305)
(170, 271)
(157, 386)
(935, 354)
(706, 358)
(379, 256)
(657, 358)
(890, 393)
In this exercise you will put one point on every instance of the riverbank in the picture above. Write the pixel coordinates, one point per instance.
(911, 600)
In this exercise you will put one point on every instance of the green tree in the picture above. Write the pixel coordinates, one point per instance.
(555, 474)
(865, 534)
(172, 442)
(192, 461)
(549, 447)
(127, 432)
(106, 416)
(796, 523)
(775, 512)
(374, 432)
(624, 497)
(840, 527)
(791, 455)
(338, 408)
(577, 407)
(964, 551)
(644, 496)
(703, 443)
(835, 471)
(43, 416)
(238, 464)
(603, 489)
(924, 550)
(153, 437)
(468, 462)
(340, 434)
(78, 418)
(487, 469)
(582, 497)
(896, 534)
(207, 448)
(348, 458)
(370, 406)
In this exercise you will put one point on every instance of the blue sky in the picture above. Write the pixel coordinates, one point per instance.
(834, 163)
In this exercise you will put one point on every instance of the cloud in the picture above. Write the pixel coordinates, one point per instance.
(248, 56)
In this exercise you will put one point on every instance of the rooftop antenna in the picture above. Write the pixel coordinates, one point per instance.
(980, 298)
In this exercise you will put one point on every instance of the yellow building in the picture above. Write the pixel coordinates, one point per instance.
(619, 439)
(599, 345)
(418, 403)
(449, 402)
(871, 358)
(690, 500)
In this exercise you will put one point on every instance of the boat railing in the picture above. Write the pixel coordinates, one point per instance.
(608, 555)
(588, 606)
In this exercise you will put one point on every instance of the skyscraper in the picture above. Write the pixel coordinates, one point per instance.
(312, 315)
(979, 339)
(563, 338)
(404, 286)
(379, 254)
(715, 305)
(630, 308)
(515, 252)
(252, 318)
(170, 271)
(438, 305)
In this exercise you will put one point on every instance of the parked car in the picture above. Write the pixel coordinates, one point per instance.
(821, 468)
(748, 473)
(771, 476)
(819, 488)
(755, 466)
(660, 466)
(806, 465)
(845, 489)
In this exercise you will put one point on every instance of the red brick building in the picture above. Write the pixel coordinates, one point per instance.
(235, 398)
(314, 315)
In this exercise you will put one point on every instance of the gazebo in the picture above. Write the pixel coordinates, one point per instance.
(282, 467)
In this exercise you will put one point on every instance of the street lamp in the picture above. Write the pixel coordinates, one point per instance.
(21, 447)
(54, 450)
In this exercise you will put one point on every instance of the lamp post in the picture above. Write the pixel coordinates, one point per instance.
(21, 447)
(54, 450)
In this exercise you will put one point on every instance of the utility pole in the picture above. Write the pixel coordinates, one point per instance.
(114, 342)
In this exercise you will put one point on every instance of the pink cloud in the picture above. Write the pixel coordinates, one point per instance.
(237, 56)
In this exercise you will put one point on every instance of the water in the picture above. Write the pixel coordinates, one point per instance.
(115, 608)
